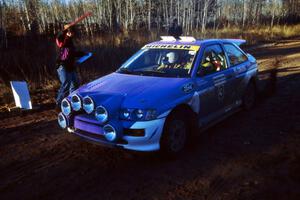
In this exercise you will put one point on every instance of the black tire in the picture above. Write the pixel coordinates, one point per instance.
(249, 97)
(175, 135)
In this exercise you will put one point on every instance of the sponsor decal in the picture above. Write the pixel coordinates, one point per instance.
(172, 46)
(220, 90)
(219, 82)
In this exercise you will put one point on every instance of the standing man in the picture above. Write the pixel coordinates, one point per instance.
(65, 63)
(175, 30)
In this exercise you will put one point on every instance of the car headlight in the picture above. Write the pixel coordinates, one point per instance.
(66, 107)
(125, 114)
(62, 120)
(76, 102)
(88, 104)
(110, 132)
(101, 114)
(138, 114)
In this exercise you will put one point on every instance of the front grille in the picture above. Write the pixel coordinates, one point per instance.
(88, 126)
(90, 135)
(134, 132)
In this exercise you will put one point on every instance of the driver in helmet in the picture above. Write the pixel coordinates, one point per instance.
(169, 61)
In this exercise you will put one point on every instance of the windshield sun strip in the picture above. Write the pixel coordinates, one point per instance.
(172, 46)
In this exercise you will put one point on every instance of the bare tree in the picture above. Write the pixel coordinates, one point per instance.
(3, 33)
(113, 15)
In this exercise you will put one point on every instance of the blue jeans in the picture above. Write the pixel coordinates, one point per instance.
(69, 83)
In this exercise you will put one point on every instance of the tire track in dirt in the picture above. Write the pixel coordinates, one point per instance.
(25, 170)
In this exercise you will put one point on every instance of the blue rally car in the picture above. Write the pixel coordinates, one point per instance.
(161, 94)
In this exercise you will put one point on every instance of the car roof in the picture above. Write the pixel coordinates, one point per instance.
(199, 42)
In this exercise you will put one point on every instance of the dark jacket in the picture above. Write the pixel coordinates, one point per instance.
(66, 52)
(175, 30)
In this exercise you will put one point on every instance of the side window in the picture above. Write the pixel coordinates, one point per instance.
(234, 54)
(213, 60)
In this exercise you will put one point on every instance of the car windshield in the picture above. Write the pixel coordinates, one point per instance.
(161, 62)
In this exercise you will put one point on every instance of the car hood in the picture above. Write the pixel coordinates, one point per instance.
(134, 91)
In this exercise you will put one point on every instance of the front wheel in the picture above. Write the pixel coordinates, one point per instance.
(249, 98)
(174, 136)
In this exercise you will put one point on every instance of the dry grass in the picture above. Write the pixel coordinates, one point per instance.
(254, 35)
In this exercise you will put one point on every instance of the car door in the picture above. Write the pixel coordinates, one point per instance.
(238, 63)
(213, 78)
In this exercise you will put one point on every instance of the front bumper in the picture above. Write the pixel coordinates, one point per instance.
(90, 130)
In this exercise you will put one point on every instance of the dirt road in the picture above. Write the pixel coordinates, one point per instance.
(251, 155)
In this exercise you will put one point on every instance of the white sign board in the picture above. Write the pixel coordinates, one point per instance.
(21, 94)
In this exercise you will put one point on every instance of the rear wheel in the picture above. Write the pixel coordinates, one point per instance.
(249, 98)
(174, 136)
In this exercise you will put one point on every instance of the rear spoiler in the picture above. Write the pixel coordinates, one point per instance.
(238, 42)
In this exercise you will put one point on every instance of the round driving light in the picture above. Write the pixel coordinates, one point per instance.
(101, 114)
(110, 132)
(65, 107)
(62, 121)
(139, 113)
(76, 102)
(88, 104)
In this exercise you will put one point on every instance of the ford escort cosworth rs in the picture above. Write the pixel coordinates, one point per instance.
(164, 91)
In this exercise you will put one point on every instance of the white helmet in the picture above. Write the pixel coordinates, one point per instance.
(172, 57)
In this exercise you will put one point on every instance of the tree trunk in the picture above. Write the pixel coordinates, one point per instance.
(149, 15)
